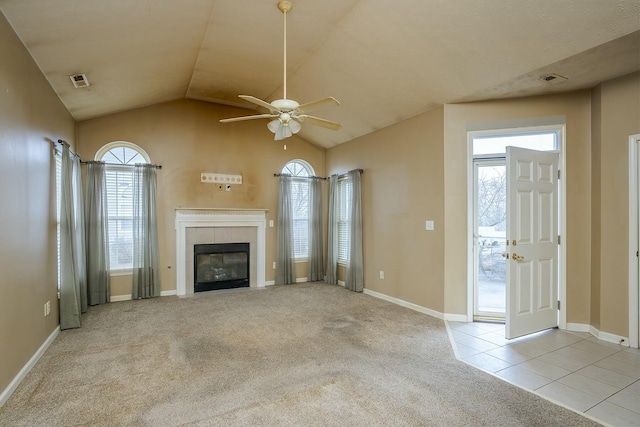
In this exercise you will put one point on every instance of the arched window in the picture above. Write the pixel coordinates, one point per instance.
(119, 157)
(300, 171)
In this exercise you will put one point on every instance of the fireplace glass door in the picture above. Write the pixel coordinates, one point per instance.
(221, 266)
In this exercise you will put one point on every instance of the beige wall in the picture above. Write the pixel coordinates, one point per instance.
(619, 118)
(186, 138)
(31, 117)
(458, 119)
(402, 186)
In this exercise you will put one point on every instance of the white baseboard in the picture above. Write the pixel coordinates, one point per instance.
(606, 336)
(456, 317)
(127, 297)
(406, 304)
(4, 396)
(273, 282)
(578, 327)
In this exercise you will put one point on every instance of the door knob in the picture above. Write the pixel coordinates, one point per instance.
(517, 257)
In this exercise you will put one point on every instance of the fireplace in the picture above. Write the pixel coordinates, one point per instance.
(220, 266)
(196, 226)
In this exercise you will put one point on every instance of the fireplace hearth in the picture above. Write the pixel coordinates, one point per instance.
(220, 266)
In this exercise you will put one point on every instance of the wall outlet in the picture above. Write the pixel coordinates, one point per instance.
(381, 274)
(270, 223)
(274, 265)
(429, 225)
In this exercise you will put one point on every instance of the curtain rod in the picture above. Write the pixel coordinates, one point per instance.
(344, 175)
(119, 164)
(66, 144)
(298, 177)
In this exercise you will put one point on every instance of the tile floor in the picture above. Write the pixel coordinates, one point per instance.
(573, 368)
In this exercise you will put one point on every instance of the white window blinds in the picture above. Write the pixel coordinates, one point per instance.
(119, 177)
(300, 207)
(345, 191)
(120, 206)
(300, 172)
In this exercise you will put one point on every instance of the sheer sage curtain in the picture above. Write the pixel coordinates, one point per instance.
(285, 264)
(332, 232)
(146, 273)
(73, 291)
(355, 271)
(316, 261)
(97, 234)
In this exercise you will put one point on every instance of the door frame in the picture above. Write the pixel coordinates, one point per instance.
(634, 243)
(560, 128)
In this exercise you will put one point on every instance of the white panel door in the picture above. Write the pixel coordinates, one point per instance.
(532, 233)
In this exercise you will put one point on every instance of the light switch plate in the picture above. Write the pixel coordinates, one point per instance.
(429, 225)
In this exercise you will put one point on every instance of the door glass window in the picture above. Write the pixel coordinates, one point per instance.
(491, 233)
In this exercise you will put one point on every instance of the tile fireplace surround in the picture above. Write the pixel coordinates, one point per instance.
(210, 225)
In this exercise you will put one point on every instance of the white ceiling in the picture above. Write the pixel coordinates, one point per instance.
(384, 60)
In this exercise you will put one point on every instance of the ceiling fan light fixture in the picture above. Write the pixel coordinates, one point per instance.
(274, 125)
(294, 126)
(282, 132)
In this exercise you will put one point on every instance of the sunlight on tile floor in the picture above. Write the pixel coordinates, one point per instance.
(573, 368)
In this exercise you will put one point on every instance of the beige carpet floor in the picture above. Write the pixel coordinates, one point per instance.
(306, 354)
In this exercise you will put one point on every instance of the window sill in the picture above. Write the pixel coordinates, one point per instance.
(113, 273)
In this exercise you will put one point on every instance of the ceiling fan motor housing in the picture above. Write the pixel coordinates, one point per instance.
(285, 104)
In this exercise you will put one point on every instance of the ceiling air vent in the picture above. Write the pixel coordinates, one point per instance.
(553, 78)
(79, 80)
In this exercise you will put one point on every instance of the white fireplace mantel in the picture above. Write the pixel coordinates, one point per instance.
(216, 217)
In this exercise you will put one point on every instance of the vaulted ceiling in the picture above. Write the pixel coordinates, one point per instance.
(384, 60)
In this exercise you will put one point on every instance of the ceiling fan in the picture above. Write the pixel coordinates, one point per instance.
(286, 114)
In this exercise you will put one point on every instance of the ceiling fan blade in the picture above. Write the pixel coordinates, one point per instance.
(320, 122)
(259, 102)
(314, 105)
(257, 116)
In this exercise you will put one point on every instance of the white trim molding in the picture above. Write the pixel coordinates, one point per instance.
(606, 336)
(406, 304)
(634, 240)
(216, 217)
(127, 297)
(578, 327)
(7, 392)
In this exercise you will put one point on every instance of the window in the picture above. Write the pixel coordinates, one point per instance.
(300, 172)
(345, 191)
(119, 157)
(496, 144)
